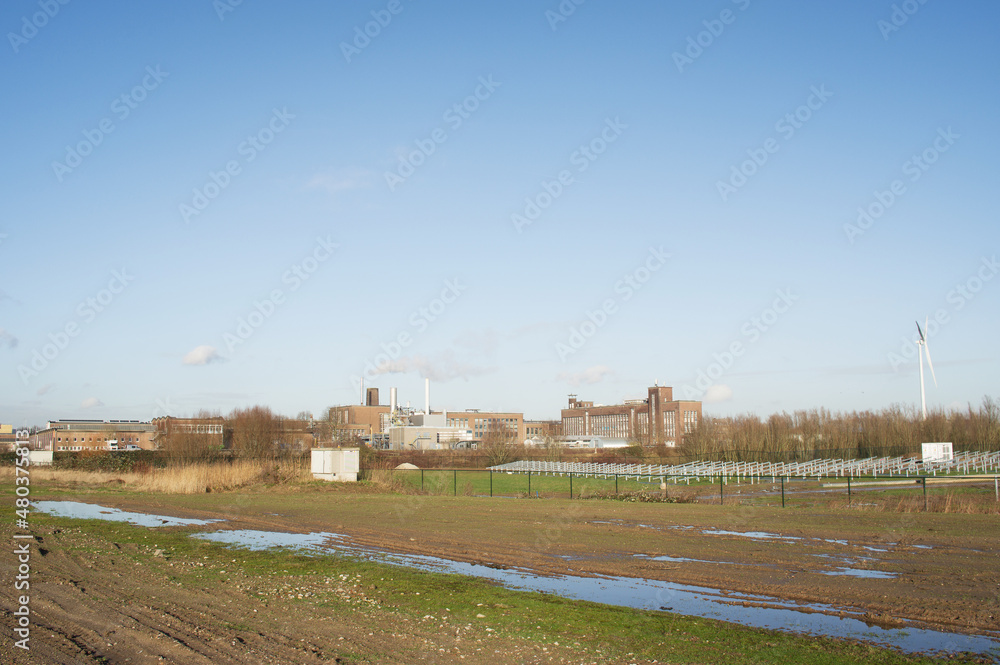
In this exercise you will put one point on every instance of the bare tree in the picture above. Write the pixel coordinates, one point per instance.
(500, 444)
(255, 431)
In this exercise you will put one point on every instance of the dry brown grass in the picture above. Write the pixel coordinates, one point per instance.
(950, 502)
(193, 478)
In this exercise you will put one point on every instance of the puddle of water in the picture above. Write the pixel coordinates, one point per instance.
(923, 547)
(638, 593)
(756, 535)
(873, 549)
(622, 591)
(90, 511)
(859, 572)
(678, 559)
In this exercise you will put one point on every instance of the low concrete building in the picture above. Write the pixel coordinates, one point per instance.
(419, 437)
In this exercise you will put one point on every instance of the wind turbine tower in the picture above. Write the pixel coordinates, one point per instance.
(922, 349)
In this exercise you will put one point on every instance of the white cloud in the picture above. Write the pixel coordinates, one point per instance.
(718, 393)
(6, 339)
(202, 355)
(444, 367)
(91, 402)
(591, 375)
(340, 181)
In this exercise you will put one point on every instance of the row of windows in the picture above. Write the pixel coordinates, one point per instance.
(612, 425)
(690, 421)
(573, 427)
(127, 439)
(72, 448)
(202, 429)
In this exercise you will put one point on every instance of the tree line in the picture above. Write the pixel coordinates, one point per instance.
(818, 433)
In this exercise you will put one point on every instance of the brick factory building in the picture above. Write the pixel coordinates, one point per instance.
(483, 422)
(76, 435)
(657, 419)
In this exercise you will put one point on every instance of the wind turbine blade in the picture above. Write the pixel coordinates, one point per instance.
(919, 331)
(927, 350)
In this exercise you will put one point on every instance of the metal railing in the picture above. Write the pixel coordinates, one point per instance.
(965, 462)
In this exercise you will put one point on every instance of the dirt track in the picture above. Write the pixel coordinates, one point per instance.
(99, 604)
(945, 569)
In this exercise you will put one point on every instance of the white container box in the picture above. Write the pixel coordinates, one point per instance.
(336, 464)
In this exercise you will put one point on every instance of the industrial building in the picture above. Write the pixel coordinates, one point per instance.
(658, 419)
(369, 421)
(398, 427)
(208, 432)
(8, 438)
(70, 435)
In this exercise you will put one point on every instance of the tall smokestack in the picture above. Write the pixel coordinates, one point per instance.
(427, 396)
(392, 401)
(362, 391)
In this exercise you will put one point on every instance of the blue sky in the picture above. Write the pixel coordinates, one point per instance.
(206, 208)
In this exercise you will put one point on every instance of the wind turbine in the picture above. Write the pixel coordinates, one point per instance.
(922, 348)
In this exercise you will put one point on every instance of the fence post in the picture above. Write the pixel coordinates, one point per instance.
(848, 490)
(722, 492)
(529, 483)
(491, 483)
(782, 491)
(421, 480)
(616, 484)
(996, 488)
(924, 479)
(571, 485)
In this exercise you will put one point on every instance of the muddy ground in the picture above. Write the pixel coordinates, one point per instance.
(941, 572)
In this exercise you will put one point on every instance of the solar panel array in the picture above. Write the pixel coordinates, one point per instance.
(966, 462)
